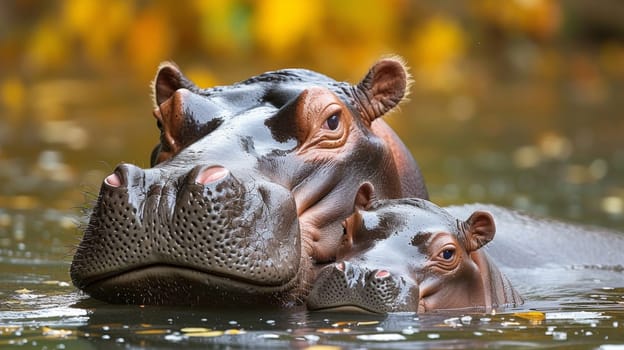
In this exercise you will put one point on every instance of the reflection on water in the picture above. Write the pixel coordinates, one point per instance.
(103, 326)
(39, 308)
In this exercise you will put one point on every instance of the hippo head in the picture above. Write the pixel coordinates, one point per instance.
(411, 255)
(247, 190)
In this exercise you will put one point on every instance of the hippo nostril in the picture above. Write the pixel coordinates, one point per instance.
(382, 274)
(211, 174)
(113, 180)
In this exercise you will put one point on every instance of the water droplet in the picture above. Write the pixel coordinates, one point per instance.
(612, 205)
(409, 331)
(311, 338)
(381, 337)
(268, 336)
(526, 157)
(453, 322)
(560, 336)
(598, 169)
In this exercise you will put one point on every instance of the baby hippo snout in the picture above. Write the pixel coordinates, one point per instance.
(347, 285)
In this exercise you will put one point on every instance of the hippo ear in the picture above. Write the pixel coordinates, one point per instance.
(365, 195)
(480, 230)
(168, 79)
(383, 88)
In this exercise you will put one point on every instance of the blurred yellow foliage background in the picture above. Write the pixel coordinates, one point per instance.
(439, 39)
(494, 81)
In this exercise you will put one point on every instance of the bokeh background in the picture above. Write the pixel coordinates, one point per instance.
(517, 102)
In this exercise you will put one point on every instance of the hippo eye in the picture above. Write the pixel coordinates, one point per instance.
(332, 122)
(447, 254)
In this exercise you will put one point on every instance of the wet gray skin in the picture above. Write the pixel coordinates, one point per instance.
(249, 186)
(410, 255)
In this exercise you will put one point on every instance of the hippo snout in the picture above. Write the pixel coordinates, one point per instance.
(347, 285)
(187, 237)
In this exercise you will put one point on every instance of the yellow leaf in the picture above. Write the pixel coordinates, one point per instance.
(205, 334)
(532, 316)
(194, 329)
(56, 333)
(333, 330)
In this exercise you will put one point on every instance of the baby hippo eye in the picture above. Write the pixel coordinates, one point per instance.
(332, 122)
(447, 254)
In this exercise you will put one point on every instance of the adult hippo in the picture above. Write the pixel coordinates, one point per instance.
(249, 186)
(410, 255)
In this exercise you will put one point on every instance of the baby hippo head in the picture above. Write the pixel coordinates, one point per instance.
(411, 255)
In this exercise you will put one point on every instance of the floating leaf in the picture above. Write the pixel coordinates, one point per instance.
(533, 316)
(323, 347)
(56, 333)
(194, 329)
(354, 323)
(333, 330)
(205, 334)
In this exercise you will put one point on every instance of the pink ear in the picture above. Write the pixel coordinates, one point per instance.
(168, 79)
(480, 230)
(383, 88)
(364, 196)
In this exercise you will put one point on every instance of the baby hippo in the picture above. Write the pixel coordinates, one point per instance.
(411, 255)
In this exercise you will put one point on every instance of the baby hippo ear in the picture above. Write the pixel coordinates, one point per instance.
(480, 230)
(383, 88)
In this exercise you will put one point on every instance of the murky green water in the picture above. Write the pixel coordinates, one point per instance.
(566, 162)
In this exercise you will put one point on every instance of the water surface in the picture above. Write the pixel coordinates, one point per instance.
(569, 166)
